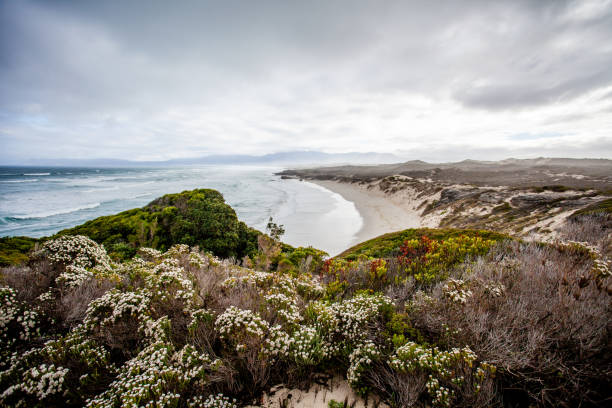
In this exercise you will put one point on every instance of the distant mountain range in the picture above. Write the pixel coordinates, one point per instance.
(294, 159)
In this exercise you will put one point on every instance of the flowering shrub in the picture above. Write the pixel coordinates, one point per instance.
(115, 305)
(158, 376)
(429, 260)
(17, 322)
(168, 281)
(43, 381)
(303, 285)
(149, 254)
(74, 276)
(307, 347)
(285, 306)
(360, 359)
(214, 401)
(348, 319)
(182, 328)
(447, 371)
(78, 251)
(457, 291)
(237, 325)
(495, 289)
(78, 259)
(278, 342)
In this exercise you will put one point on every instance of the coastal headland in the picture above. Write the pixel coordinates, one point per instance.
(532, 197)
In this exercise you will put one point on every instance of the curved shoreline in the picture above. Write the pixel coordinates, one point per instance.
(317, 216)
(379, 214)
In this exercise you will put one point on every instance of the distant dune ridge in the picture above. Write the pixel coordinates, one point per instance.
(594, 173)
(518, 196)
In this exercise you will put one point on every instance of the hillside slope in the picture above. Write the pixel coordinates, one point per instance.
(420, 318)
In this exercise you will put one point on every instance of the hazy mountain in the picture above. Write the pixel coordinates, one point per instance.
(294, 159)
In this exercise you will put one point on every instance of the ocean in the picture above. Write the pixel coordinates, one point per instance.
(37, 201)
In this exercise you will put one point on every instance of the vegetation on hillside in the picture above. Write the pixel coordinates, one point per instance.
(420, 318)
(389, 244)
(15, 250)
(600, 207)
(196, 218)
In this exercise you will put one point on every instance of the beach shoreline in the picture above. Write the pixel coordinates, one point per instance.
(317, 216)
(379, 214)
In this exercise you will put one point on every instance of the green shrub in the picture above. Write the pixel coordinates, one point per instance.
(196, 218)
(389, 244)
(430, 261)
(604, 206)
(15, 250)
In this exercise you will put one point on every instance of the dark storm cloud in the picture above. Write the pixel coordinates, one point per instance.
(159, 79)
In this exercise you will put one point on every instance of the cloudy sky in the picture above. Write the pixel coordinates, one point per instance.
(434, 80)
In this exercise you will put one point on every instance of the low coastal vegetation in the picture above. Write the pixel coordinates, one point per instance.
(15, 250)
(197, 217)
(422, 317)
(597, 208)
(386, 244)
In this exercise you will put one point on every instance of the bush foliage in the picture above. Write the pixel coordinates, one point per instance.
(389, 244)
(197, 218)
(423, 318)
(14, 250)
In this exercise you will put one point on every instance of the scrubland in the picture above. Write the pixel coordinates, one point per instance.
(421, 318)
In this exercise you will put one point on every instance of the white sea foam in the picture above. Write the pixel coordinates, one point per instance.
(19, 181)
(36, 174)
(98, 190)
(55, 212)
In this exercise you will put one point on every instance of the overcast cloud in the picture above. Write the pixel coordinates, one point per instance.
(432, 80)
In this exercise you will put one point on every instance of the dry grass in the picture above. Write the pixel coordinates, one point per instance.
(596, 229)
(30, 281)
(549, 332)
(404, 390)
(73, 303)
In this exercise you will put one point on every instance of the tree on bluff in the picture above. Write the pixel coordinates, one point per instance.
(202, 219)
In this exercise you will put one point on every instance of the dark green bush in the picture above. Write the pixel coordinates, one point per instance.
(196, 218)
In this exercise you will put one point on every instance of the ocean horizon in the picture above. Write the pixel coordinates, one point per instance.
(40, 201)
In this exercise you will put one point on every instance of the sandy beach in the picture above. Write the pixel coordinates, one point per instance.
(380, 215)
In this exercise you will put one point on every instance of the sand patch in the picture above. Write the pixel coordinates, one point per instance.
(317, 396)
